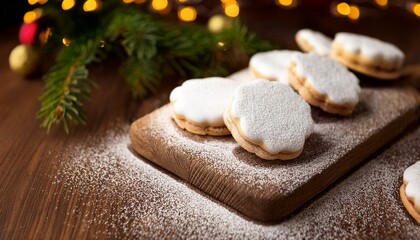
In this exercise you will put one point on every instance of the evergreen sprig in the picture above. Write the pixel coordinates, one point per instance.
(152, 49)
(68, 86)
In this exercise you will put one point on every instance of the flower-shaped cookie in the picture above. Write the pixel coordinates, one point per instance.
(198, 105)
(269, 119)
(368, 55)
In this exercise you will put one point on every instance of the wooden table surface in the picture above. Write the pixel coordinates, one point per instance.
(33, 205)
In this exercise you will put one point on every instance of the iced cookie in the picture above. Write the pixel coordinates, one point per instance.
(242, 76)
(324, 83)
(368, 55)
(410, 190)
(269, 119)
(272, 65)
(198, 105)
(313, 41)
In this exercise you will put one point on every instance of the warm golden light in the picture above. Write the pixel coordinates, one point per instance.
(68, 4)
(29, 17)
(354, 12)
(42, 1)
(343, 9)
(187, 14)
(159, 5)
(139, 1)
(32, 15)
(32, 2)
(382, 3)
(66, 41)
(286, 3)
(232, 10)
(416, 9)
(91, 5)
(128, 1)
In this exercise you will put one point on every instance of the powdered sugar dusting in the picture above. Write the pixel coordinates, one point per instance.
(203, 100)
(371, 48)
(273, 64)
(272, 114)
(329, 78)
(147, 203)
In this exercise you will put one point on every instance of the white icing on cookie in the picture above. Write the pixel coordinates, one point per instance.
(329, 78)
(242, 76)
(273, 64)
(412, 190)
(272, 114)
(370, 48)
(203, 100)
(320, 43)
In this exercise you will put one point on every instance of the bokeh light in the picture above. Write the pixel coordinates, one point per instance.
(66, 41)
(68, 4)
(232, 10)
(160, 5)
(343, 8)
(381, 3)
(187, 14)
(32, 15)
(416, 9)
(354, 12)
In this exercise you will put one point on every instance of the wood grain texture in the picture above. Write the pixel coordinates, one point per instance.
(31, 207)
(268, 191)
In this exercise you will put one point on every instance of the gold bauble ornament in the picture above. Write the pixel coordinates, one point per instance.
(218, 23)
(25, 60)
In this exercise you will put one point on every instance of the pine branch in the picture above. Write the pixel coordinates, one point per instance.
(152, 50)
(68, 86)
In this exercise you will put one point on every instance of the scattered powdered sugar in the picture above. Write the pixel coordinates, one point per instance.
(320, 43)
(328, 77)
(128, 197)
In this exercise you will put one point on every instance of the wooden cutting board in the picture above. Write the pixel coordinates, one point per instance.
(270, 190)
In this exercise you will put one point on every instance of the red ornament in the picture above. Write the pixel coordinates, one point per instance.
(28, 33)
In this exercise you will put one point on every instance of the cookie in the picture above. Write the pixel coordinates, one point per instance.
(272, 65)
(410, 190)
(313, 41)
(198, 105)
(324, 83)
(269, 119)
(368, 55)
(242, 76)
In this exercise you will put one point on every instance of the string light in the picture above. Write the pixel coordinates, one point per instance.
(32, 16)
(128, 1)
(187, 14)
(68, 4)
(66, 41)
(286, 3)
(416, 9)
(160, 5)
(91, 5)
(343, 8)
(381, 3)
(232, 9)
(42, 1)
(354, 12)
(32, 2)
